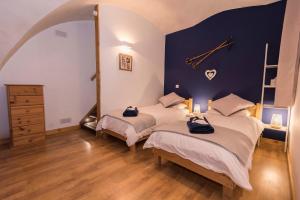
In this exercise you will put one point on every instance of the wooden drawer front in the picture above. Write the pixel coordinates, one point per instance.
(25, 100)
(27, 110)
(20, 131)
(27, 120)
(28, 140)
(26, 90)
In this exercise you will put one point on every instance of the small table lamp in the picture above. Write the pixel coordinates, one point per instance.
(197, 108)
(276, 121)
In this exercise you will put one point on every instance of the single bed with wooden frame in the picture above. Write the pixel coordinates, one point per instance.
(132, 148)
(228, 185)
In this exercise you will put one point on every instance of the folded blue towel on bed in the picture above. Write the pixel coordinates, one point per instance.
(200, 125)
(131, 112)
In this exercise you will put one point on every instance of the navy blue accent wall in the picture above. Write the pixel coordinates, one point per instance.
(239, 70)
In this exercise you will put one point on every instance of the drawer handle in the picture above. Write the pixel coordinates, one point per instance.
(22, 129)
(27, 101)
(12, 101)
(18, 118)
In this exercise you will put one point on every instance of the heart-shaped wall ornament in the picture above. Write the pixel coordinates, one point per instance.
(210, 73)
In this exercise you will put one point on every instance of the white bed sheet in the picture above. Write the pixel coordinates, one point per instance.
(210, 155)
(158, 111)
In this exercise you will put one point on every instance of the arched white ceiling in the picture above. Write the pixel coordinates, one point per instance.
(21, 19)
(32, 16)
(173, 15)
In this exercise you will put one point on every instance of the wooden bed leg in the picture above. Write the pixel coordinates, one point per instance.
(157, 157)
(98, 133)
(158, 160)
(259, 140)
(227, 193)
(132, 148)
(104, 135)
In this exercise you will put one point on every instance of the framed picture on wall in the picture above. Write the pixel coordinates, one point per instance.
(125, 62)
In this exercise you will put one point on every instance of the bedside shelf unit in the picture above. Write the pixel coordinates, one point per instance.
(280, 134)
(273, 133)
(266, 67)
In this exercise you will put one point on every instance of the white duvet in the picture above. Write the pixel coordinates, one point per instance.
(158, 111)
(209, 155)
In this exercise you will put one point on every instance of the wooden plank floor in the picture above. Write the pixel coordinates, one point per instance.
(80, 166)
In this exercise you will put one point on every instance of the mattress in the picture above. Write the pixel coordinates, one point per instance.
(158, 111)
(210, 155)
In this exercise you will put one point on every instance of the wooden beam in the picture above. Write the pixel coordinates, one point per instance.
(97, 45)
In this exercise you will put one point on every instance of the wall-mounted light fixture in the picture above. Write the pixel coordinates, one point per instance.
(276, 121)
(95, 13)
(125, 46)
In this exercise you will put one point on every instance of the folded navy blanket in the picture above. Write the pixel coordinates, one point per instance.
(197, 125)
(131, 112)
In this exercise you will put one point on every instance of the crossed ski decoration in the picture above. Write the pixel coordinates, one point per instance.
(197, 60)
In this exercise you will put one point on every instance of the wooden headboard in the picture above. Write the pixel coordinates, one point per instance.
(255, 111)
(189, 103)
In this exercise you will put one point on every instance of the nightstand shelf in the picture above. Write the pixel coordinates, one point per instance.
(195, 114)
(276, 134)
(271, 66)
(268, 126)
(269, 86)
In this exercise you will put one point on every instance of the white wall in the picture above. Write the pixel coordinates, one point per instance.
(63, 64)
(294, 141)
(285, 90)
(18, 16)
(288, 57)
(142, 86)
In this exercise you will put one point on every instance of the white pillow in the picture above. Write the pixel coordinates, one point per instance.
(213, 112)
(171, 99)
(243, 113)
(180, 106)
(231, 104)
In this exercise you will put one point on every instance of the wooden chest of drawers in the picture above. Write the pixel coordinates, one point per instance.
(26, 114)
